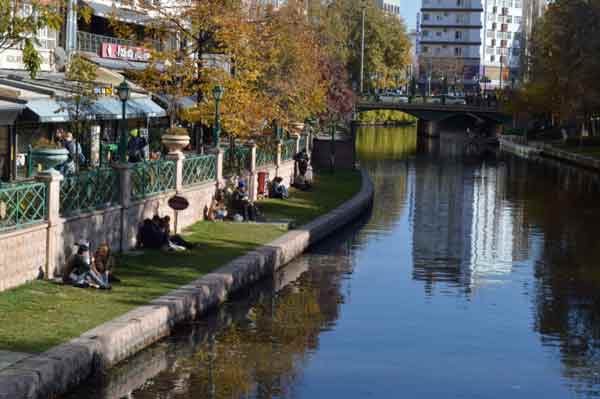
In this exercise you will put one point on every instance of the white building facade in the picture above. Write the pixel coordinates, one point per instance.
(465, 40)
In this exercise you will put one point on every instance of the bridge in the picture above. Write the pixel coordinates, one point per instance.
(429, 115)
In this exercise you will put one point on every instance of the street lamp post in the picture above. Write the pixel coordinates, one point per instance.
(362, 49)
(217, 95)
(123, 91)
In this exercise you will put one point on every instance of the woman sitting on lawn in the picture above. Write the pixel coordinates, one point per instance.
(81, 271)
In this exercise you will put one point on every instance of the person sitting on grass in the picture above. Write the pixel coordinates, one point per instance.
(81, 271)
(175, 239)
(279, 189)
(104, 262)
(218, 209)
(151, 236)
(242, 204)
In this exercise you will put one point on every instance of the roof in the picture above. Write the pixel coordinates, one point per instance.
(119, 65)
(54, 111)
(9, 112)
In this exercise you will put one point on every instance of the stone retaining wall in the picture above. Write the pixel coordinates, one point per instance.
(61, 368)
(47, 246)
(517, 146)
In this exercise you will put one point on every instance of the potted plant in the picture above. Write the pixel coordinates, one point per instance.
(175, 139)
(47, 154)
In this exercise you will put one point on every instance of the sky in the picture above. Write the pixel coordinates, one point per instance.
(409, 9)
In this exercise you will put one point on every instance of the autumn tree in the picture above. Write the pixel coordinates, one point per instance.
(19, 23)
(564, 61)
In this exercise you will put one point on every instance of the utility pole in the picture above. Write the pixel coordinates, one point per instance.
(362, 49)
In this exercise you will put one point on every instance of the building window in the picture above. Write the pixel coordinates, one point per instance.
(492, 58)
(458, 51)
(425, 33)
(438, 34)
(425, 49)
(425, 17)
(458, 35)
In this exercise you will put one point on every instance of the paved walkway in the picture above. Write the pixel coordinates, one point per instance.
(8, 358)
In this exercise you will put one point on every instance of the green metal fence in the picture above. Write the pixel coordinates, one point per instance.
(22, 205)
(87, 191)
(288, 149)
(303, 139)
(264, 156)
(152, 177)
(235, 160)
(199, 169)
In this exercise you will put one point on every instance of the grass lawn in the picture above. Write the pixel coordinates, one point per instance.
(590, 151)
(39, 315)
(587, 150)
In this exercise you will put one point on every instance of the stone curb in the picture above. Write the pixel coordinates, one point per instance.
(65, 366)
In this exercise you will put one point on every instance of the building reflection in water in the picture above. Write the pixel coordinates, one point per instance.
(465, 232)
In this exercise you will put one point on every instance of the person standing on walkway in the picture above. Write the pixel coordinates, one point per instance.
(135, 147)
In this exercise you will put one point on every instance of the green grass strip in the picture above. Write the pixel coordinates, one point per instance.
(40, 315)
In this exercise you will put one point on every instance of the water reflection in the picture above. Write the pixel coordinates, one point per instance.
(465, 233)
(475, 275)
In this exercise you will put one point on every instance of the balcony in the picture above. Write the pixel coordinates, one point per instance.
(92, 42)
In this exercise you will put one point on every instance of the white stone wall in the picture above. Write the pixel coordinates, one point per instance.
(47, 246)
(22, 255)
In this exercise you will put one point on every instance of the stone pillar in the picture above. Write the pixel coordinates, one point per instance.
(52, 179)
(124, 170)
(427, 128)
(277, 157)
(252, 184)
(178, 157)
(219, 154)
(298, 149)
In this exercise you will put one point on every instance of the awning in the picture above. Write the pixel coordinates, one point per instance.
(184, 102)
(140, 107)
(47, 110)
(122, 14)
(9, 112)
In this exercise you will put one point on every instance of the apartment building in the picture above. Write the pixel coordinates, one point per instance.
(390, 6)
(464, 41)
(450, 40)
(503, 42)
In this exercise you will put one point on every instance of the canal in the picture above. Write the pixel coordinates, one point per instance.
(475, 275)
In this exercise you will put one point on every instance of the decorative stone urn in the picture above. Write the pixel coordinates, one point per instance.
(49, 158)
(175, 139)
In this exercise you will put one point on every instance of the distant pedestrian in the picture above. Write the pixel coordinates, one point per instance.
(135, 147)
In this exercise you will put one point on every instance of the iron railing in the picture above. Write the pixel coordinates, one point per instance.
(199, 169)
(288, 149)
(88, 191)
(236, 160)
(264, 156)
(303, 140)
(152, 177)
(22, 205)
(92, 42)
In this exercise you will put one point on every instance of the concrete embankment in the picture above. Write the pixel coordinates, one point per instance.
(527, 150)
(61, 368)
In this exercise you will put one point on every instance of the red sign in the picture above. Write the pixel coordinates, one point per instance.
(128, 53)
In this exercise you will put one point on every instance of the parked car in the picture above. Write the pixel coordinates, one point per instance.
(452, 100)
(393, 99)
(434, 100)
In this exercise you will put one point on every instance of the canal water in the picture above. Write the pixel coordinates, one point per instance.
(475, 275)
